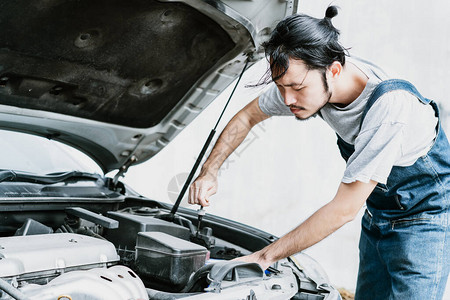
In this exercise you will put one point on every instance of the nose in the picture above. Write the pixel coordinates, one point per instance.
(289, 98)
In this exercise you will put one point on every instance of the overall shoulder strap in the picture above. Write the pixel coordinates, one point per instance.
(388, 86)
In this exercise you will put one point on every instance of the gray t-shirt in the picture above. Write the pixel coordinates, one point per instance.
(397, 130)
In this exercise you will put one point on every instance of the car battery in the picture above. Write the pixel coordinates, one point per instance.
(167, 259)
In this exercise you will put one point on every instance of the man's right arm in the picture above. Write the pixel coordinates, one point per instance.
(231, 137)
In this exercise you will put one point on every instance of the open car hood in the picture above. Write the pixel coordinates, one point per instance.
(120, 79)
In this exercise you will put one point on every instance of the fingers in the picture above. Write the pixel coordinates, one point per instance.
(200, 191)
(199, 195)
(203, 195)
(204, 202)
(254, 258)
(191, 194)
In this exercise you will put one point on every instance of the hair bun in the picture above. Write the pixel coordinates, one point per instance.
(331, 12)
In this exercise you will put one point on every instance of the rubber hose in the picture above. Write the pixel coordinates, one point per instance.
(12, 291)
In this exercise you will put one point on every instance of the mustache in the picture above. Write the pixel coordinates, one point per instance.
(296, 107)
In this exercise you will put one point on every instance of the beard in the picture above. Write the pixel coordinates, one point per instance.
(327, 93)
(314, 114)
(307, 118)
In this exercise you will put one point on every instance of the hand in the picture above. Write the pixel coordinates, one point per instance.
(202, 188)
(256, 257)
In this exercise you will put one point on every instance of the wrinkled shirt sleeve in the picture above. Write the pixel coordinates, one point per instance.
(376, 151)
(379, 144)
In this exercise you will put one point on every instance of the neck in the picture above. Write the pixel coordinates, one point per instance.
(349, 85)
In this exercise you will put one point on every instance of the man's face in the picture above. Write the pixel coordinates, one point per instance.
(304, 91)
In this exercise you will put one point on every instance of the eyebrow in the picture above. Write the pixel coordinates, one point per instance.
(290, 84)
(294, 83)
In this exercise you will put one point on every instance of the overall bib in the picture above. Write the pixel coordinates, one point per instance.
(404, 244)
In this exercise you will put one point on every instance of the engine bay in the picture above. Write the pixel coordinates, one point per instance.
(136, 252)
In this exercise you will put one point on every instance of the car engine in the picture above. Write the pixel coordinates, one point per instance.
(134, 253)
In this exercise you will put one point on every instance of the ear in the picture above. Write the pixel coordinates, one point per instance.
(335, 69)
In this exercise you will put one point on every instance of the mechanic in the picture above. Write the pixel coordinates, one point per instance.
(398, 160)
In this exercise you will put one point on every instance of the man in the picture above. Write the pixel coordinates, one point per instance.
(398, 160)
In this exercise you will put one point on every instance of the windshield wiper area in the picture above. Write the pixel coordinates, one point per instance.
(10, 175)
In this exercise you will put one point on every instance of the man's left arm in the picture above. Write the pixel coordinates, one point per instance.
(349, 199)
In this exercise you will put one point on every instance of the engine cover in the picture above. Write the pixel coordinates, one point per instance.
(115, 283)
(49, 255)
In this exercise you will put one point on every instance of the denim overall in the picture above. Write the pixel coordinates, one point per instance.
(404, 244)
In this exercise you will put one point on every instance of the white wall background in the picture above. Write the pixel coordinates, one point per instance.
(286, 170)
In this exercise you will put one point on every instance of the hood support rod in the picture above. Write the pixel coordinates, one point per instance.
(205, 147)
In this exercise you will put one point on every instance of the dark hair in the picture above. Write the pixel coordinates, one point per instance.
(299, 36)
